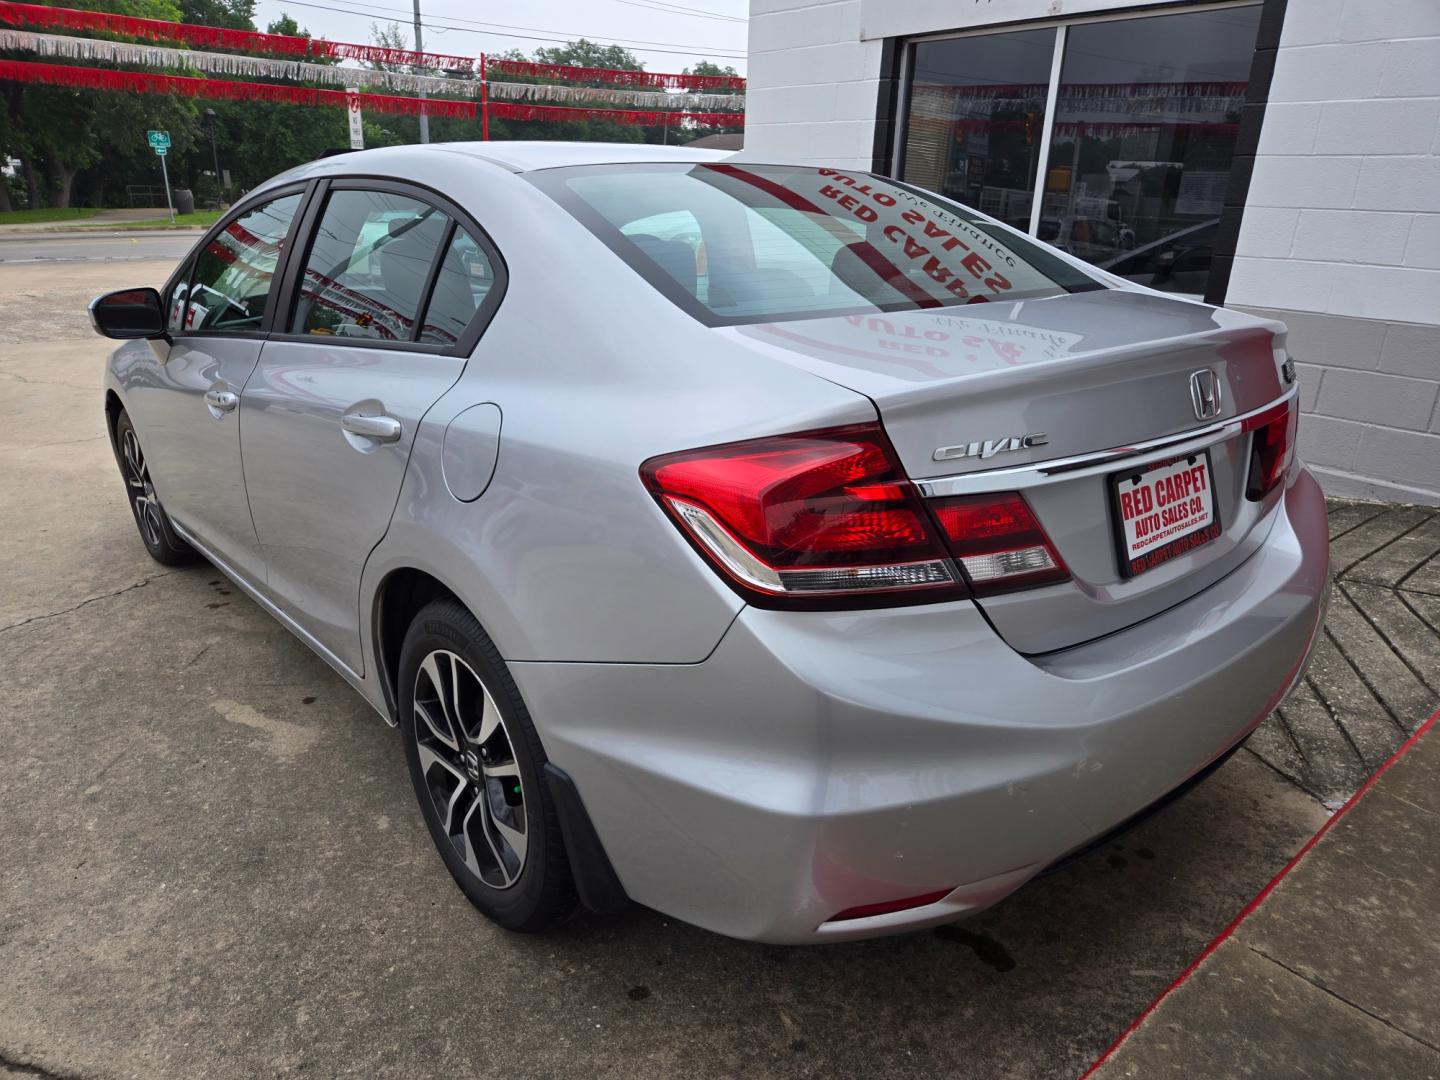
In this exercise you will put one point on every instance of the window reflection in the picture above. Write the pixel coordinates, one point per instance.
(977, 107)
(1146, 120)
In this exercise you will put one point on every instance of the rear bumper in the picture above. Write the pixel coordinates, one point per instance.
(820, 761)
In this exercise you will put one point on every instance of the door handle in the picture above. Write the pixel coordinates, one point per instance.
(224, 400)
(379, 428)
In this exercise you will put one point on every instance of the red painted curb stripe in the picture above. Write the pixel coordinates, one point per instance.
(1260, 897)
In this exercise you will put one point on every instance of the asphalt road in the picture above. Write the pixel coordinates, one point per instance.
(211, 862)
(84, 247)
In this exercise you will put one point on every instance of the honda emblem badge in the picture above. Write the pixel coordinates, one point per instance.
(1205, 394)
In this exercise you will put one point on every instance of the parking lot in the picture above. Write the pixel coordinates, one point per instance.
(214, 865)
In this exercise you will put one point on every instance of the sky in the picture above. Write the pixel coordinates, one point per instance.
(666, 35)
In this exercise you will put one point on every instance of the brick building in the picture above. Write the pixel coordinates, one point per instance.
(1282, 158)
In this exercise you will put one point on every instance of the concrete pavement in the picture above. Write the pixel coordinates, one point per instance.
(213, 864)
(1335, 972)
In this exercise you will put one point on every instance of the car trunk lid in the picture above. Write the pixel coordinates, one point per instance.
(1089, 385)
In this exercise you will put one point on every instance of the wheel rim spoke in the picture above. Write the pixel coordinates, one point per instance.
(472, 826)
(142, 494)
(441, 725)
(473, 778)
(489, 720)
(442, 733)
(513, 837)
(461, 793)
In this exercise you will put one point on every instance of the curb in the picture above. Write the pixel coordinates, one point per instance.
(1259, 898)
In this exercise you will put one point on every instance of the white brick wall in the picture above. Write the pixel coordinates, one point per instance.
(812, 83)
(1341, 232)
(1341, 237)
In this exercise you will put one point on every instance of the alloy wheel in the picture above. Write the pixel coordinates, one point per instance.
(142, 491)
(470, 769)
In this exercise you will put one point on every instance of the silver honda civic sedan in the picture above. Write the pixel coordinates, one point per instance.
(790, 550)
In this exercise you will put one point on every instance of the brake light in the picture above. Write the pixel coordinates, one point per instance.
(1273, 447)
(998, 542)
(824, 518)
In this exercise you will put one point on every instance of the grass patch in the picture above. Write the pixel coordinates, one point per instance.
(182, 221)
(38, 217)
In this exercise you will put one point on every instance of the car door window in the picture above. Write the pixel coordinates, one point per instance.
(368, 266)
(464, 280)
(230, 287)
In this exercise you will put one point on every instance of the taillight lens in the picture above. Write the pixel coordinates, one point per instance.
(1273, 447)
(821, 518)
(999, 542)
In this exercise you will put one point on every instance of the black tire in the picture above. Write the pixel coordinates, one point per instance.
(156, 532)
(541, 891)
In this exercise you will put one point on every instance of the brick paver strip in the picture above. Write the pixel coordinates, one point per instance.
(1377, 665)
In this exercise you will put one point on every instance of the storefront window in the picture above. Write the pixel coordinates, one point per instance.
(1144, 128)
(977, 107)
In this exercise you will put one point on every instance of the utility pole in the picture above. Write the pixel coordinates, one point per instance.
(420, 47)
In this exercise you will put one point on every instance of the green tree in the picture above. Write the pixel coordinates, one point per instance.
(57, 132)
(231, 14)
(586, 53)
(690, 132)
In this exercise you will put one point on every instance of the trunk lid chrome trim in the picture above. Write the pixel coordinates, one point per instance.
(1070, 468)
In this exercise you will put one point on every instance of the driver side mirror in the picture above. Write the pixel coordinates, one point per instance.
(128, 314)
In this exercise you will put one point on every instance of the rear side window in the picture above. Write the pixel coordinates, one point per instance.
(752, 243)
(230, 287)
(368, 267)
(465, 278)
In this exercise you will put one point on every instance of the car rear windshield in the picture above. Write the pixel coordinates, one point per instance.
(755, 243)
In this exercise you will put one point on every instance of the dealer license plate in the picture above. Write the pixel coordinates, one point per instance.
(1163, 510)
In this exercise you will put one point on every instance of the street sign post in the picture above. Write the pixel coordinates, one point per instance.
(357, 129)
(160, 142)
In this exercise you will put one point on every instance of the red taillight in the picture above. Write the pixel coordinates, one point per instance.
(999, 542)
(818, 515)
(1273, 447)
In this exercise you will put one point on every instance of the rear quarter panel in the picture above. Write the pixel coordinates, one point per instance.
(565, 556)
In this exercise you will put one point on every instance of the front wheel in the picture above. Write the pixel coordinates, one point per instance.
(476, 764)
(159, 537)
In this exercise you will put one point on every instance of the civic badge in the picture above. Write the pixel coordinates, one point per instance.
(1205, 394)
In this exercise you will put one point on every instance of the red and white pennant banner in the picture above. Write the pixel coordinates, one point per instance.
(144, 82)
(566, 73)
(150, 83)
(103, 50)
(216, 37)
(558, 114)
(608, 95)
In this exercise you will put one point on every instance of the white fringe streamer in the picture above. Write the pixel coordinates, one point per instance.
(122, 52)
(640, 99)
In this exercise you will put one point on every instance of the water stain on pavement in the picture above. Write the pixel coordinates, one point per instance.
(287, 741)
(987, 949)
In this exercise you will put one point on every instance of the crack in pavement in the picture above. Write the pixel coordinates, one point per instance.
(83, 603)
(1319, 984)
(42, 446)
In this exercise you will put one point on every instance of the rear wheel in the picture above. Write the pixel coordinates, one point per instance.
(159, 537)
(476, 764)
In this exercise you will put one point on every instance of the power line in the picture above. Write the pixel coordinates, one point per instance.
(676, 9)
(507, 31)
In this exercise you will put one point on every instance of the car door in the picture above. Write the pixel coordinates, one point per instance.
(385, 306)
(185, 404)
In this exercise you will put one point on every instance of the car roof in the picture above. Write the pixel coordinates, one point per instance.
(525, 156)
(520, 156)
